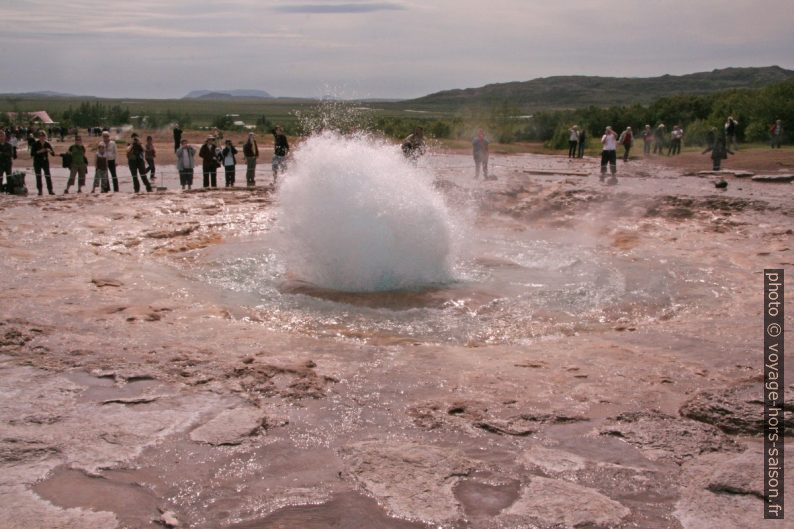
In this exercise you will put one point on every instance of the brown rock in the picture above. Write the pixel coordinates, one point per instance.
(411, 480)
(664, 436)
(230, 427)
(735, 410)
(552, 503)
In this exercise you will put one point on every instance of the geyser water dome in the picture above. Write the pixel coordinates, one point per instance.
(358, 217)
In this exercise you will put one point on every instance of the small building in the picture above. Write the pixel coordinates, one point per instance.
(40, 116)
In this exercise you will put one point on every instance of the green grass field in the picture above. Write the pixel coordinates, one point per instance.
(202, 112)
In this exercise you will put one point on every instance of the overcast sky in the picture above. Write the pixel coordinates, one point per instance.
(367, 48)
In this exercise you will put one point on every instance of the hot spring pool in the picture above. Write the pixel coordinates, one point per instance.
(364, 247)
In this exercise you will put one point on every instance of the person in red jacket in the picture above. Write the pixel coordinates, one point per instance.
(776, 131)
(627, 140)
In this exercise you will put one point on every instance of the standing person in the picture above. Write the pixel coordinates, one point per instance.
(41, 149)
(582, 142)
(609, 143)
(251, 153)
(137, 164)
(776, 131)
(573, 140)
(177, 136)
(32, 138)
(280, 152)
(111, 152)
(676, 138)
(480, 151)
(627, 140)
(647, 139)
(149, 153)
(8, 153)
(711, 137)
(228, 157)
(658, 138)
(101, 171)
(185, 163)
(209, 165)
(413, 145)
(77, 166)
(719, 151)
(730, 132)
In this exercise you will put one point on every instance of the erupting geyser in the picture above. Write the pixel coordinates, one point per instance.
(360, 218)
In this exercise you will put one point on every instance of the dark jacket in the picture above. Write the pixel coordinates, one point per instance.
(719, 149)
(135, 152)
(250, 149)
(45, 147)
(280, 145)
(7, 153)
(209, 156)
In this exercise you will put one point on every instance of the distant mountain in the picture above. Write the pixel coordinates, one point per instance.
(44, 93)
(228, 94)
(576, 91)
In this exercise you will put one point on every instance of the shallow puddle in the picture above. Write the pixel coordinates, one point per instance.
(100, 389)
(135, 505)
(483, 499)
(344, 511)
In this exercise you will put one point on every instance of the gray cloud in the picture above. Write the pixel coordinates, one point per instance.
(373, 48)
(324, 9)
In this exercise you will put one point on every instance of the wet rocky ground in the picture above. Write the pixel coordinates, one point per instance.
(133, 395)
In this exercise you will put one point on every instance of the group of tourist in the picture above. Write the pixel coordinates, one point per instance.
(140, 160)
(213, 157)
(141, 157)
(719, 144)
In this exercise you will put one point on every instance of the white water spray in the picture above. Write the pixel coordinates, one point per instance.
(359, 218)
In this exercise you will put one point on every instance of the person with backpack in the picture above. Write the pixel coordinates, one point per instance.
(627, 140)
(137, 164)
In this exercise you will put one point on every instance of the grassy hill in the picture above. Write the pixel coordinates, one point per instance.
(577, 91)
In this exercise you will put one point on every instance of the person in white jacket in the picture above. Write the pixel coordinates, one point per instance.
(185, 162)
(110, 154)
(609, 142)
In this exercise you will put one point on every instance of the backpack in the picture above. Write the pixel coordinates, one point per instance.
(67, 160)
